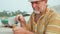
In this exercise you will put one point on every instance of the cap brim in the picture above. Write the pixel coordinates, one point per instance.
(32, 0)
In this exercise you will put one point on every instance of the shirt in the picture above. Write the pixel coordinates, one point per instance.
(48, 23)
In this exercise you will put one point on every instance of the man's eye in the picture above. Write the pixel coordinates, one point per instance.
(37, 2)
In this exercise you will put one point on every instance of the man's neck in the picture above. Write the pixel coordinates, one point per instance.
(36, 17)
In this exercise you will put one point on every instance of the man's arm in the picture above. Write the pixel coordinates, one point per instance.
(53, 26)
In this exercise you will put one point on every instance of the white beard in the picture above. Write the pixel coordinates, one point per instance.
(36, 12)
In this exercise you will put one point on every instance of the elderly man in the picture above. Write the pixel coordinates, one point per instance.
(43, 20)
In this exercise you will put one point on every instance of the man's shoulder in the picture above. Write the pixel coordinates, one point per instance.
(52, 10)
(53, 13)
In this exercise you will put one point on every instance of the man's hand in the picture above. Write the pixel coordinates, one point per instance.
(20, 30)
(21, 19)
(23, 29)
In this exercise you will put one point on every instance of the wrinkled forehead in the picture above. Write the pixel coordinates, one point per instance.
(34, 0)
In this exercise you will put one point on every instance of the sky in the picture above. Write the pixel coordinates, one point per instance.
(23, 5)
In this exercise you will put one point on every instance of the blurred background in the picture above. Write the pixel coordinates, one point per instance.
(10, 8)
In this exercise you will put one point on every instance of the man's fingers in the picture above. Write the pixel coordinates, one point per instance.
(20, 17)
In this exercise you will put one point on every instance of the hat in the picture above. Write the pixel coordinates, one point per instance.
(36, 0)
(32, 0)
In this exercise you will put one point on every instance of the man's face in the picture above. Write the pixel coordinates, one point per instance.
(38, 6)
